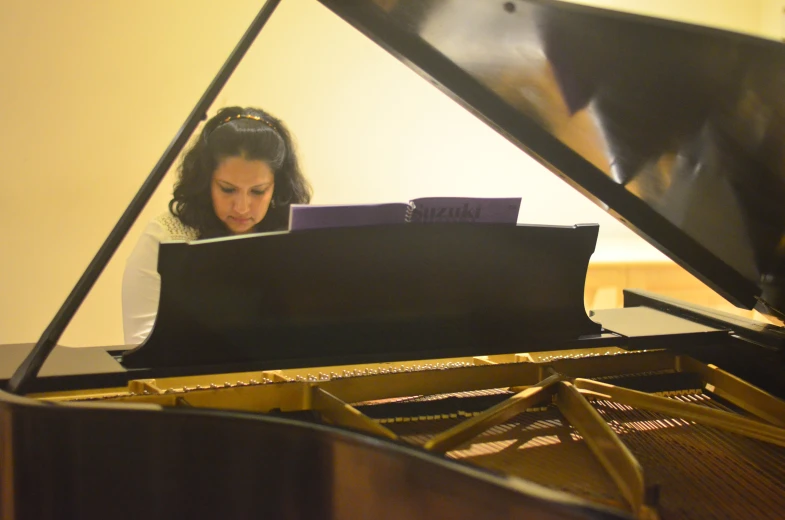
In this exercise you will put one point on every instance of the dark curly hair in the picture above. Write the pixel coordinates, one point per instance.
(267, 140)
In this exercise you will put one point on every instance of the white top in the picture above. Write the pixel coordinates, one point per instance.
(141, 281)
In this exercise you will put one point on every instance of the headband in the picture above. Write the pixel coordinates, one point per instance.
(246, 116)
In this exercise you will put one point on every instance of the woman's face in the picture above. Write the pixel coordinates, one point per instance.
(241, 192)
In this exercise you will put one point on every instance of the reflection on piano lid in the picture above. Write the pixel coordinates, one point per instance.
(664, 408)
(677, 129)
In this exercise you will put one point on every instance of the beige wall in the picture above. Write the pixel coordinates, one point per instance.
(94, 91)
(734, 15)
(772, 19)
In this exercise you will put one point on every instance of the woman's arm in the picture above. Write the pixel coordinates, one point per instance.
(142, 285)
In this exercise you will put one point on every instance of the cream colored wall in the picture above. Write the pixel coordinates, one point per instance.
(735, 15)
(93, 93)
(772, 19)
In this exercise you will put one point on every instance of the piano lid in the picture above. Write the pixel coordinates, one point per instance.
(675, 129)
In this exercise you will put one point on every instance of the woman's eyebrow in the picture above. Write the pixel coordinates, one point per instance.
(264, 184)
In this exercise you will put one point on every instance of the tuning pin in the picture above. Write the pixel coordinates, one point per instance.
(213, 386)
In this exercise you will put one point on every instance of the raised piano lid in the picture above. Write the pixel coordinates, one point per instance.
(675, 129)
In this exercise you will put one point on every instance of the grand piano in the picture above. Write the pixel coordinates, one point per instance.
(452, 371)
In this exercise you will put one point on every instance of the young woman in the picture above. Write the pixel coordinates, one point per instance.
(239, 177)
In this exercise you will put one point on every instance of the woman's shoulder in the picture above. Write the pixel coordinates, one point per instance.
(172, 228)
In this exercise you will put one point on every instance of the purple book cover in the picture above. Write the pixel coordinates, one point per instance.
(422, 211)
(464, 209)
(303, 216)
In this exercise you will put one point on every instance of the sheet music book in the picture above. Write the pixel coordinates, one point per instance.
(420, 211)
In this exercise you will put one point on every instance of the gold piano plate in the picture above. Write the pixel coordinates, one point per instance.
(711, 443)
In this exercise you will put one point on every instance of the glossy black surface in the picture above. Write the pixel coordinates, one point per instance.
(676, 129)
(645, 328)
(63, 462)
(753, 351)
(370, 294)
(767, 335)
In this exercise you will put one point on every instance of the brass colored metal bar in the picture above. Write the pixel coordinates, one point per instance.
(737, 391)
(511, 407)
(140, 386)
(544, 372)
(599, 366)
(65, 396)
(591, 395)
(503, 375)
(615, 457)
(288, 395)
(344, 414)
(429, 382)
(692, 412)
(275, 375)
